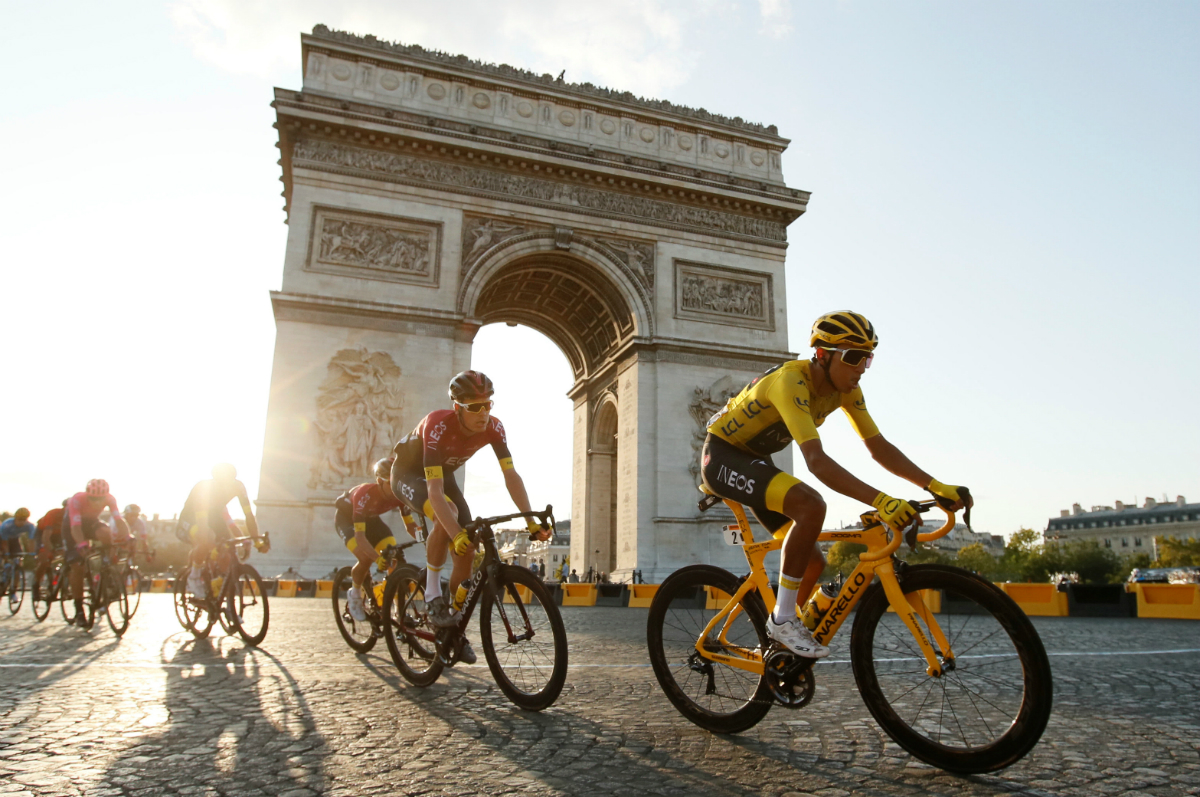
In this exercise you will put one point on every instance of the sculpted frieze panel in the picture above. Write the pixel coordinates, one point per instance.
(374, 246)
(359, 409)
(481, 234)
(723, 295)
(638, 256)
(707, 402)
(522, 188)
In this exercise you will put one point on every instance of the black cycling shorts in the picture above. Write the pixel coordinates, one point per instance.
(87, 526)
(746, 478)
(378, 533)
(410, 486)
(221, 527)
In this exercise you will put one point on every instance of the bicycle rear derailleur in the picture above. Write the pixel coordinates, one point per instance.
(789, 677)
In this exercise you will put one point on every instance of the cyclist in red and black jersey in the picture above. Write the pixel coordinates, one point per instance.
(423, 477)
(48, 539)
(359, 523)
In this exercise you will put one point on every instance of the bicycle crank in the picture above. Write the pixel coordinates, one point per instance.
(790, 678)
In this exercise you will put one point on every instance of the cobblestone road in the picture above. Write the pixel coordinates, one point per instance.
(160, 713)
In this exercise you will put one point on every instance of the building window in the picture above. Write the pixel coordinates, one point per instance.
(556, 557)
(1108, 543)
(1137, 543)
(1124, 542)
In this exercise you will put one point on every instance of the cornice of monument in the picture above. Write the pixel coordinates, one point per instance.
(402, 167)
(321, 34)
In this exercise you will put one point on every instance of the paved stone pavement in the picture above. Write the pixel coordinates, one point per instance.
(160, 713)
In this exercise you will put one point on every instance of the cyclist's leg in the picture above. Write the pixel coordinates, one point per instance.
(378, 537)
(462, 563)
(87, 531)
(409, 485)
(355, 540)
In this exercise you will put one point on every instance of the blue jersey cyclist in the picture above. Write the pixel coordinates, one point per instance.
(788, 403)
(13, 529)
(423, 476)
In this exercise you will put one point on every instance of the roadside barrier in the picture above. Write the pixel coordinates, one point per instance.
(286, 589)
(641, 595)
(324, 589)
(932, 598)
(1037, 600)
(161, 585)
(525, 592)
(1169, 601)
(1101, 600)
(579, 594)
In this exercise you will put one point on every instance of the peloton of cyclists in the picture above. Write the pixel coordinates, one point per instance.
(205, 521)
(423, 476)
(359, 523)
(788, 402)
(81, 524)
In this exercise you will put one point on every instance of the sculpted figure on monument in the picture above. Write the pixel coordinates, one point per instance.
(727, 297)
(359, 407)
(707, 402)
(370, 246)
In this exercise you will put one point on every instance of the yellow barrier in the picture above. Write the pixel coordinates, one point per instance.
(579, 594)
(1170, 601)
(287, 589)
(716, 598)
(324, 589)
(1038, 600)
(641, 595)
(932, 598)
(525, 592)
(159, 585)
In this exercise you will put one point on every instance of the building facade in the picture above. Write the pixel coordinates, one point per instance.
(1127, 528)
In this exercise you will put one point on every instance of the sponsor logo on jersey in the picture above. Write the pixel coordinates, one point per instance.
(737, 481)
(801, 404)
(859, 404)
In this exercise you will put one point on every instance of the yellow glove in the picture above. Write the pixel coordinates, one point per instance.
(896, 512)
(461, 543)
(262, 544)
(533, 526)
(947, 495)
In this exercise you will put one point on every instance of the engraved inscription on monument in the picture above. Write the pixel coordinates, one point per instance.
(359, 409)
(723, 295)
(374, 246)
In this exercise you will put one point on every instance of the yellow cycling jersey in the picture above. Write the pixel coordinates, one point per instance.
(779, 407)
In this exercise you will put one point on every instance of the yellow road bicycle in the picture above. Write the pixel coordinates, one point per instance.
(947, 664)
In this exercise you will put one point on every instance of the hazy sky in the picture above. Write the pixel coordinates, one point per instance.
(1010, 191)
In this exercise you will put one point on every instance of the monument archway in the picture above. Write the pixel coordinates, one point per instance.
(428, 195)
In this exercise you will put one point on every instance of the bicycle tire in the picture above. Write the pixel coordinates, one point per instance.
(116, 601)
(133, 589)
(527, 672)
(360, 636)
(66, 599)
(715, 696)
(193, 614)
(407, 629)
(91, 597)
(16, 590)
(44, 594)
(246, 601)
(1000, 680)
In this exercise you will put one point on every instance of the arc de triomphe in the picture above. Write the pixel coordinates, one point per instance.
(428, 195)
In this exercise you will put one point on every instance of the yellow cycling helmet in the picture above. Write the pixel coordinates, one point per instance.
(843, 326)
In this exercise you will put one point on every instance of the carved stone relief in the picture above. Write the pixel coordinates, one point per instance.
(707, 402)
(723, 295)
(359, 409)
(519, 187)
(480, 234)
(637, 255)
(374, 246)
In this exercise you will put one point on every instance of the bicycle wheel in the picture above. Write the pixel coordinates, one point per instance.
(360, 636)
(990, 706)
(406, 627)
(246, 602)
(715, 696)
(44, 594)
(16, 590)
(115, 600)
(66, 598)
(133, 589)
(524, 640)
(193, 614)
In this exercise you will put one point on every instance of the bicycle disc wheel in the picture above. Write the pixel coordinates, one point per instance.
(990, 706)
(116, 601)
(524, 640)
(360, 636)
(43, 594)
(16, 590)
(247, 605)
(192, 613)
(133, 589)
(406, 627)
(715, 696)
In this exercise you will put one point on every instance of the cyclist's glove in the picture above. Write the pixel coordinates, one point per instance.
(461, 543)
(947, 495)
(262, 544)
(533, 526)
(896, 512)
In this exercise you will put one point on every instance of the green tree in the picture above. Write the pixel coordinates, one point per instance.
(1138, 560)
(843, 556)
(977, 559)
(1174, 552)
(1094, 563)
(1019, 552)
(926, 555)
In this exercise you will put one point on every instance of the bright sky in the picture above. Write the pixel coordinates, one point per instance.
(1010, 191)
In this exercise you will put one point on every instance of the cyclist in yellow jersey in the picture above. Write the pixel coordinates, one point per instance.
(788, 403)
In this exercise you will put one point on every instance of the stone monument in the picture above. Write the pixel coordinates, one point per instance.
(428, 194)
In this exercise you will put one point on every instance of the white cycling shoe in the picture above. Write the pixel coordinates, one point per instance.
(196, 585)
(796, 638)
(354, 602)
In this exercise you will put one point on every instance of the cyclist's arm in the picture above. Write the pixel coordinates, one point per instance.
(516, 489)
(244, 500)
(893, 460)
(833, 475)
(437, 499)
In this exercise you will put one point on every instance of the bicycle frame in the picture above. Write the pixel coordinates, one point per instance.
(881, 543)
